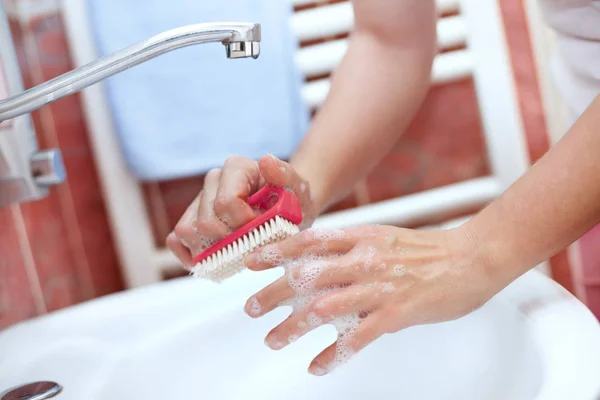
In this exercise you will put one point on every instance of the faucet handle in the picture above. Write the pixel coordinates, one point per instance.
(48, 168)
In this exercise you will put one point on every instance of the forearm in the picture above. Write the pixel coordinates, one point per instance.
(375, 93)
(551, 206)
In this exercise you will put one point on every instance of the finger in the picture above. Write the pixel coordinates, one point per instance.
(343, 271)
(312, 242)
(186, 231)
(180, 251)
(293, 328)
(347, 346)
(207, 223)
(269, 298)
(239, 178)
(348, 300)
(300, 279)
(358, 265)
(338, 303)
(279, 173)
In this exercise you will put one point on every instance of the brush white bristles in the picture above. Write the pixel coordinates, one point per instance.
(228, 261)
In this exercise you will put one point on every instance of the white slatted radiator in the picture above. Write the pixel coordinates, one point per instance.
(475, 24)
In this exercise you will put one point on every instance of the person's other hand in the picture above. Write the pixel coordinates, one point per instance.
(221, 206)
(388, 278)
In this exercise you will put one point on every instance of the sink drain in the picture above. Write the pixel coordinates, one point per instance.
(32, 391)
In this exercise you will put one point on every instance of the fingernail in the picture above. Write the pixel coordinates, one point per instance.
(253, 307)
(317, 370)
(274, 344)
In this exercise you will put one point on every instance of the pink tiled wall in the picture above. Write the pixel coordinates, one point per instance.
(59, 251)
(589, 248)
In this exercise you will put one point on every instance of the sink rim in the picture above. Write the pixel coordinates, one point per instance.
(561, 325)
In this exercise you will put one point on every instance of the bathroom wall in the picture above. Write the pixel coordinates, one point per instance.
(59, 251)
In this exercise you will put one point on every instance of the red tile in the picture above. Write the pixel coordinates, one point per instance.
(531, 106)
(77, 259)
(176, 196)
(524, 69)
(16, 300)
(561, 270)
(593, 300)
(44, 221)
(589, 246)
(48, 238)
(443, 145)
(72, 137)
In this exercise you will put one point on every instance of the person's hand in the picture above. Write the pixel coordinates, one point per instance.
(221, 207)
(368, 281)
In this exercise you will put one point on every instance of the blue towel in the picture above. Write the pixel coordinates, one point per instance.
(186, 111)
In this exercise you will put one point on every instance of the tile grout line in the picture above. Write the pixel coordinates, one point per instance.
(65, 197)
(29, 261)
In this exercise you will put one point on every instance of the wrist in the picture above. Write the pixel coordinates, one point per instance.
(478, 257)
(319, 196)
(490, 257)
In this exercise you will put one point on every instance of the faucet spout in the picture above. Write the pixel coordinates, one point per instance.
(240, 40)
(26, 173)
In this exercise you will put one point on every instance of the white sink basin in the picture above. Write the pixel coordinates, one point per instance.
(190, 339)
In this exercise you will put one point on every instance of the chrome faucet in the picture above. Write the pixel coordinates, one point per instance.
(25, 172)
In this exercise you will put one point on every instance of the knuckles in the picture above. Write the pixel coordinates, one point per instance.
(237, 161)
(213, 174)
(223, 204)
(171, 240)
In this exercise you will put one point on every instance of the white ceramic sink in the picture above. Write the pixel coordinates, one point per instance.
(190, 339)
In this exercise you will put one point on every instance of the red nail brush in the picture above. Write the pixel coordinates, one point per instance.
(280, 215)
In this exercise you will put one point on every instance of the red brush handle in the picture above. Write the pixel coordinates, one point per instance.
(272, 201)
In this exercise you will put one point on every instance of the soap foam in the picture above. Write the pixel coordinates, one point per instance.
(206, 242)
(302, 274)
(346, 327)
(388, 287)
(369, 257)
(325, 234)
(292, 338)
(399, 270)
(226, 220)
(255, 307)
(314, 320)
(271, 255)
(199, 243)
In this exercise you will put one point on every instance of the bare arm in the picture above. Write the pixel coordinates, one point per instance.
(375, 93)
(439, 275)
(551, 206)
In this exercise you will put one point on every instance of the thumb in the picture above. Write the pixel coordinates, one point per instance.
(277, 172)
